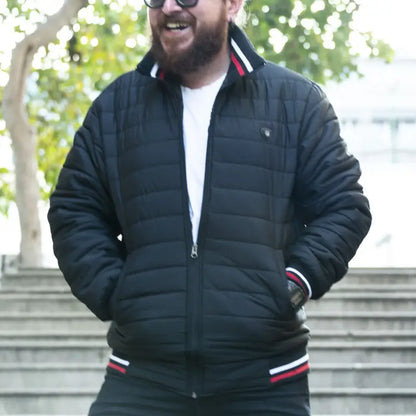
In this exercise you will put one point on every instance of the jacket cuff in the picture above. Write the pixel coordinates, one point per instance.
(297, 277)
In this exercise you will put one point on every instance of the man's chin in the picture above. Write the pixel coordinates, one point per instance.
(187, 55)
(174, 61)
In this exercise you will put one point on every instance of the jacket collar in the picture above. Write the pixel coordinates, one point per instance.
(244, 58)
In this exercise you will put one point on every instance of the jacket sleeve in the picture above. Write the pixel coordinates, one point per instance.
(83, 223)
(328, 199)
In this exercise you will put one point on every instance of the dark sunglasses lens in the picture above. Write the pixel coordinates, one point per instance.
(154, 4)
(187, 3)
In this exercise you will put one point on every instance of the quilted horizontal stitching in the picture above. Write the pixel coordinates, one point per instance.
(255, 166)
(235, 118)
(238, 138)
(134, 271)
(140, 244)
(156, 218)
(233, 241)
(236, 215)
(266, 294)
(246, 269)
(155, 294)
(144, 194)
(267, 194)
(139, 170)
(133, 197)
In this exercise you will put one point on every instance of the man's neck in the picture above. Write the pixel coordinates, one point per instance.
(208, 73)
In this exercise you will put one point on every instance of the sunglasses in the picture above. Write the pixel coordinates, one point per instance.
(157, 4)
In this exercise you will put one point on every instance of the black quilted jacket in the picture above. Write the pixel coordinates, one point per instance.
(280, 191)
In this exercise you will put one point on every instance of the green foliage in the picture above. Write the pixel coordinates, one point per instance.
(103, 43)
(312, 37)
(108, 38)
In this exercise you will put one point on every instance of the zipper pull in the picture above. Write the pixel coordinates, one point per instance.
(194, 251)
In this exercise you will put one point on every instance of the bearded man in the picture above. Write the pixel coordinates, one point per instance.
(207, 197)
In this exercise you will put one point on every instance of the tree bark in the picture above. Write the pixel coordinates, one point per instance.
(24, 140)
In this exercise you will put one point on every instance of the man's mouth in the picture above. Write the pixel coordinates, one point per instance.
(176, 26)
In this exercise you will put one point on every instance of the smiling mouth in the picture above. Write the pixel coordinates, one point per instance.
(176, 26)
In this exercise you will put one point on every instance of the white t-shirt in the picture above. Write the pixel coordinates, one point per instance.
(197, 108)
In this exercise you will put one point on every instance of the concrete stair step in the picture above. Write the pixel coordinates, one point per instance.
(56, 401)
(379, 276)
(54, 351)
(42, 271)
(362, 351)
(48, 335)
(363, 335)
(36, 302)
(45, 320)
(354, 401)
(356, 301)
(371, 288)
(35, 289)
(33, 277)
(360, 320)
(47, 375)
(363, 375)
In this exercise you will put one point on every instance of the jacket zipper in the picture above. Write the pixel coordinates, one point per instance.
(193, 283)
(195, 279)
(194, 251)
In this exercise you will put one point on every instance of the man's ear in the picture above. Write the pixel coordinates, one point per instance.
(234, 7)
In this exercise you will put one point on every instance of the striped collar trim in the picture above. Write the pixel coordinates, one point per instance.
(157, 72)
(243, 56)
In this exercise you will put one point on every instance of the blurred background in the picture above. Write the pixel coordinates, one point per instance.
(363, 54)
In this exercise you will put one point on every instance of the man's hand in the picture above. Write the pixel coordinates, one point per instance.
(296, 295)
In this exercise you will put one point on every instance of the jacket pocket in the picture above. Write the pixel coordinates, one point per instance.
(282, 284)
(115, 297)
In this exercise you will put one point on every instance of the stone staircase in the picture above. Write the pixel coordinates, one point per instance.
(363, 345)
(363, 348)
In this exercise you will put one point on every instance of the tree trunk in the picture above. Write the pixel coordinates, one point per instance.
(24, 140)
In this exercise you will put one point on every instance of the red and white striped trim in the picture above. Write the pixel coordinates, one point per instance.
(241, 56)
(289, 370)
(157, 72)
(118, 364)
(300, 279)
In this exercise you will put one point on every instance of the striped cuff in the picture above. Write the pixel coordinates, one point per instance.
(297, 277)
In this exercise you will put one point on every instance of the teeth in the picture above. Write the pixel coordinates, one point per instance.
(176, 26)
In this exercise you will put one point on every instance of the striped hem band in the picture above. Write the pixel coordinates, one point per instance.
(118, 364)
(289, 370)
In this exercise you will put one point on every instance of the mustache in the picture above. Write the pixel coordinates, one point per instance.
(177, 17)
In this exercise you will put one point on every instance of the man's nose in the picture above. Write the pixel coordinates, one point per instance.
(170, 6)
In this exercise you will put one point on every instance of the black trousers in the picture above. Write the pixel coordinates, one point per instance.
(121, 395)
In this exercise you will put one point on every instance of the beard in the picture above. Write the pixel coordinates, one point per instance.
(208, 42)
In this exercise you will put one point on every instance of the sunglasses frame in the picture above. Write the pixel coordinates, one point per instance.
(180, 3)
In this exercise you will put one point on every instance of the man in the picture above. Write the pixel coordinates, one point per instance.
(207, 196)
